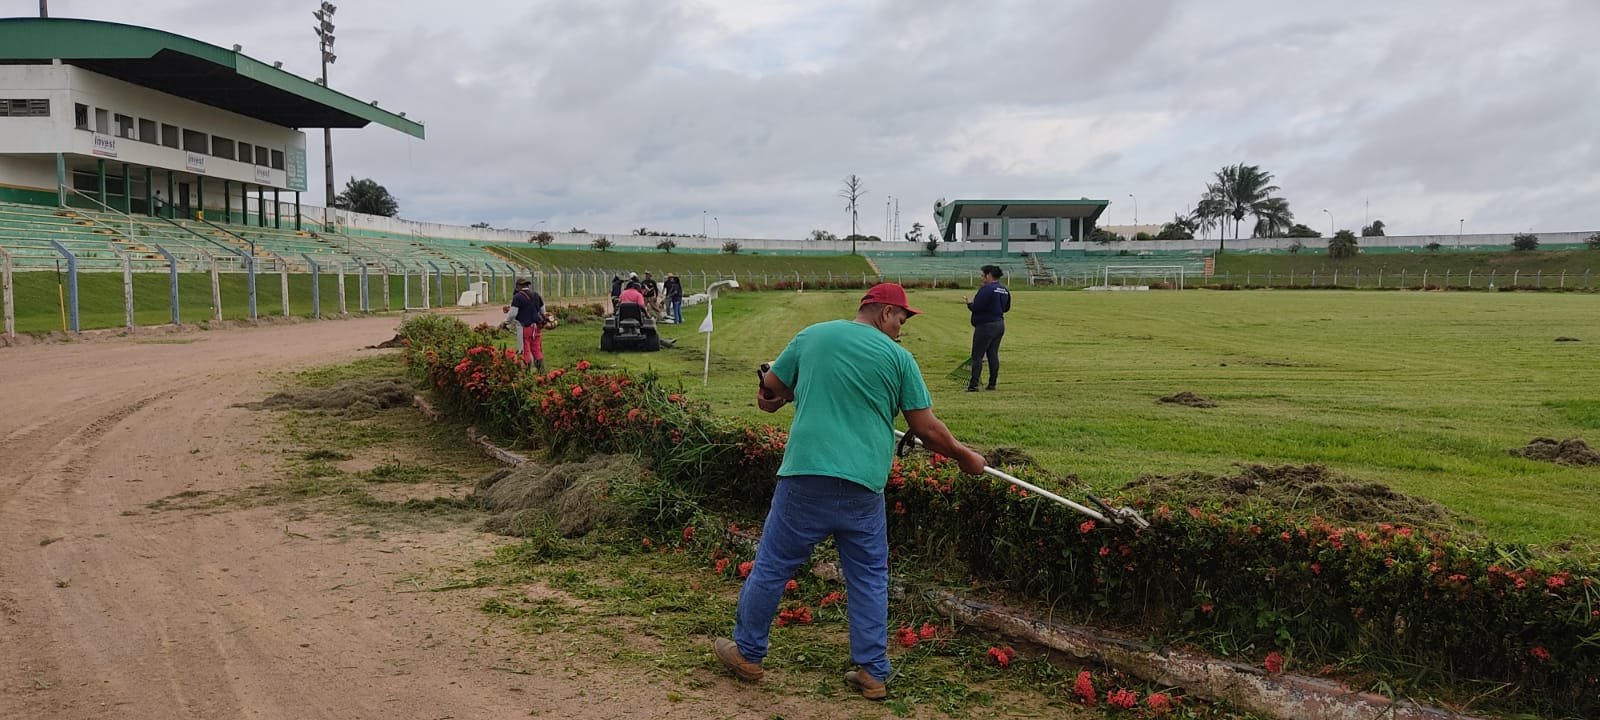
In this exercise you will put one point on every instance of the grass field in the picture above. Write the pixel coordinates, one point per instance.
(1421, 391)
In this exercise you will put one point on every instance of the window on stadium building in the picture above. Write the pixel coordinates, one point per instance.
(169, 135)
(277, 159)
(147, 131)
(195, 141)
(123, 125)
(261, 156)
(24, 108)
(80, 116)
(102, 121)
(222, 147)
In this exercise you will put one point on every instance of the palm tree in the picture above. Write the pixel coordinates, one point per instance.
(1244, 190)
(1273, 218)
(1210, 213)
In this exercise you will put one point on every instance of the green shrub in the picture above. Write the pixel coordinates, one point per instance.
(1525, 241)
(1342, 245)
(1593, 242)
(601, 243)
(731, 247)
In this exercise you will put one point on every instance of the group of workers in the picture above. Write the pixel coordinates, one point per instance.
(663, 301)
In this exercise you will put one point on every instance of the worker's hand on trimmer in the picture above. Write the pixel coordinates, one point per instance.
(971, 462)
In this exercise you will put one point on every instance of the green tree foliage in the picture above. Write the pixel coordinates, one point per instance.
(1273, 218)
(1373, 230)
(367, 196)
(1240, 190)
(666, 246)
(1593, 242)
(1525, 241)
(915, 234)
(1301, 231)
(601, 243)
(1343, 245)
(731, 247)
(1179, 228)
(1103, 236)
(543, 239)
(864, 238)
(823, 235)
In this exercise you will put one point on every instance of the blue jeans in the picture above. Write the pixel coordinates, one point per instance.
(806, 509)
(677, 311)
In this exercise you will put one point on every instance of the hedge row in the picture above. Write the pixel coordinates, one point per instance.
(1387, 599)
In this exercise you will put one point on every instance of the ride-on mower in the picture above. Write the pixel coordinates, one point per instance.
(629, 327)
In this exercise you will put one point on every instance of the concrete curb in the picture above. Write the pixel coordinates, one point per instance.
(1285, 695)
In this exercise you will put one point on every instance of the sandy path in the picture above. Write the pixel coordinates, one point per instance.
(108, 610)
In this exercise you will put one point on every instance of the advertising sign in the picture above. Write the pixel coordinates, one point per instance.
(105, 145)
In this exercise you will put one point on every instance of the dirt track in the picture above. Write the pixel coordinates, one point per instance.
(108, 610)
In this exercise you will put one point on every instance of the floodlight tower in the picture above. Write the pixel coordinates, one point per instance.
(324, 28)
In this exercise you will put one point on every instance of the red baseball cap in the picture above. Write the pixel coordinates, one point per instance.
(889, 294)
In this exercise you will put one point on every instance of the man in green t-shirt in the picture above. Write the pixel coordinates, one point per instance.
(848, 380)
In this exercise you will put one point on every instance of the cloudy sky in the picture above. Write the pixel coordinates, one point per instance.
(618, 114)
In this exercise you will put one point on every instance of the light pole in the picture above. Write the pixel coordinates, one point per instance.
(702, 223)
(324, 28)
(1135, 214)
(1331, 232)
(718, 223)
(888, 201)
(1461, 225)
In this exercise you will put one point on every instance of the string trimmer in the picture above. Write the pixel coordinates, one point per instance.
(1105, 513)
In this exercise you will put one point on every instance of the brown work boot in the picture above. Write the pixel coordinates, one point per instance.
(863, 682)
(727, 653)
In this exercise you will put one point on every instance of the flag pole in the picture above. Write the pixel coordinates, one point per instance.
(705, 327)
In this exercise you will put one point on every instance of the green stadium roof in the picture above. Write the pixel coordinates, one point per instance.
(192, 70)
(952, 213)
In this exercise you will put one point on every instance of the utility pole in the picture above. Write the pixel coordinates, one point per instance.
(896, 235)
(324, 28)
(44, 8)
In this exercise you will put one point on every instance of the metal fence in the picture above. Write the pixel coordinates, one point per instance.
(428, 284)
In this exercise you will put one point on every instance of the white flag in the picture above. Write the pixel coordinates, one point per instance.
(705, 326)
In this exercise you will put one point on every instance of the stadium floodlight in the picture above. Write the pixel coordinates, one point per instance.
(324, 29)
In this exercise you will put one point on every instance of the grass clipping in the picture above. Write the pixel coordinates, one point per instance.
(1571, 451)
(355, 398)
(1302, 491)
(573, 499)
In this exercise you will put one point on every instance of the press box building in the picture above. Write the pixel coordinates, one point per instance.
(110, 116)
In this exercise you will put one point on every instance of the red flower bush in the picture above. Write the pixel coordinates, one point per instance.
(1002, 656)
(794, 616)
(1274, 662)
(1084, 688)
(1122, 698)
(1159, 703)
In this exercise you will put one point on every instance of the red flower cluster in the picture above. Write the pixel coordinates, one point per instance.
(1274, 662)
(1159, 703)
(744, 568)
(906, 636)
(791, 586)
(831, 598)
(1084, 688)
(1002, 656)
(1122, 698)
(794, 616)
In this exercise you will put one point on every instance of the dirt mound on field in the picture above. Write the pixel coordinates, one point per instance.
(573, 499)
(1189, 399)
(1009, 457)
(354, 398)
(1571, 451)
(1301, 491)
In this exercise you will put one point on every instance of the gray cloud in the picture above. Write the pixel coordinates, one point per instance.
(616, 115)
